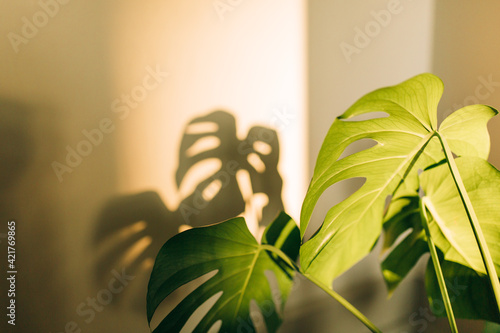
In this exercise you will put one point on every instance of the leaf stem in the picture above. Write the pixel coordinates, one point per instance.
(476, 228)
(328, 290)
(437, 267)
(282, 255)
(344, 303)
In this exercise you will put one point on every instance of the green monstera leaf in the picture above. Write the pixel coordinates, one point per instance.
(241, 265)
(466, 133)
(461, 263)
(449, 226)
(407, 140)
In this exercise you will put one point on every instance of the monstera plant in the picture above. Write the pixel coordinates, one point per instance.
(427, 188)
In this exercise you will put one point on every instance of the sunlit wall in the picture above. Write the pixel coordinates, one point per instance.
(244, 57)
(101, 95)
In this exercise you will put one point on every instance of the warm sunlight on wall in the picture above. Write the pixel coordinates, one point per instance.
(180, 60)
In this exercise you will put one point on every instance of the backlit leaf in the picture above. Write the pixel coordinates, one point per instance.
(240, 262)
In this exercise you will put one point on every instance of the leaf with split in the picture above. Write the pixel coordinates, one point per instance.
(405, 143)
(402, 214)
(450, 227)
(471, 140)
(241, 263)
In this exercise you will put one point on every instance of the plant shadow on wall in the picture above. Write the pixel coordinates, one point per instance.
(17, 155)
(17, 146)
(218, 177)
(428, 188)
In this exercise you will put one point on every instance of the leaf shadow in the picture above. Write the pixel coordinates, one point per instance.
(131, 228)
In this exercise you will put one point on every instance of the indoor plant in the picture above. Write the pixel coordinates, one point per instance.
(429, 187)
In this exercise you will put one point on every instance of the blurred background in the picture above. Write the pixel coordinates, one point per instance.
(102, 105)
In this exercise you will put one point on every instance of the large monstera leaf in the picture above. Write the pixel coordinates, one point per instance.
(351, 227)
(241, 265)
(407, 140)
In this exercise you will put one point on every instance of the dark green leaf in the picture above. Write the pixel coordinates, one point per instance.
(402, 258)
(404, 238)
(490, 327)
(231, 250)
(470, 294)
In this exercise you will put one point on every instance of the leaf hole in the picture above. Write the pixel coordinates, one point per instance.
(254, 203)
(201, 128)
(172, 300)
(275, 291)
(215, 327)
(396, 242)
(135, 251)
(262, 147)
(388, 200)
(256, 162)
(121, 235)
(368, 116)
(199, 313)
(203, 144)
(258, 317)
(198, 173)
(245, 184)
(357, 146)
(211, 190)
(332, 196)
(254, 207)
